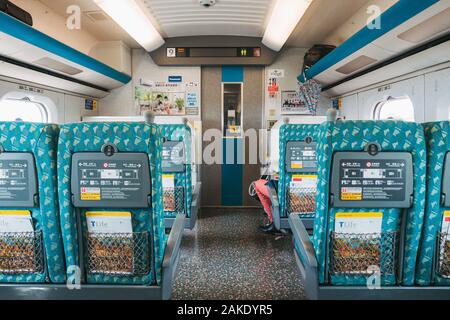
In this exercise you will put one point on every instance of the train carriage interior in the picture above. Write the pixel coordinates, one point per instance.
(224, 150)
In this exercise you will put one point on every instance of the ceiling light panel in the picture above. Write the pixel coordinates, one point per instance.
(180, 18)
(134, 19)
(286, 14)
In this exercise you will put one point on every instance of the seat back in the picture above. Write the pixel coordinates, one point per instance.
(298, 169)
(31, 249)
(111, 203)
(434, 258)
(177, 170)
(370, 201)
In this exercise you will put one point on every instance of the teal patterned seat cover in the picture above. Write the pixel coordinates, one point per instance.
(291, 132)
(41, 141)
(181, 132)
(354, 136)
(438, 143)
(128, 137)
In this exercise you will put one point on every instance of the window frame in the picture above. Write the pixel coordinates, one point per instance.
(44, 111)
(376, 114)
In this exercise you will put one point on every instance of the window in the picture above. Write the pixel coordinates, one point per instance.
(394, 109)
(232, 109)
(22, 110)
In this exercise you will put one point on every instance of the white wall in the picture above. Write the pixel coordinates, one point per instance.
(429, 93)
(437, 97)
(121, 101)
(49, 22)
(291, 61)
(62, 107)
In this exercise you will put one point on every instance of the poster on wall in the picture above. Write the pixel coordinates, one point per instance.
(168, 98)
(291, 104)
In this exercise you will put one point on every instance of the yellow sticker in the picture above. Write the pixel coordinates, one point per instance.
(352, 215)
(108, 214)
(347, 196)
(14, 213)
(304, 176)
(446, 221)
(91, 197)
(90, 194)
(351, 194)
(296, 165)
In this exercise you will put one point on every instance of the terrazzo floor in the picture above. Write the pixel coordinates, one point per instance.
(226, 258)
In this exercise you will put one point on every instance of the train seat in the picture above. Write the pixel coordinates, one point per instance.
(112, 215)
(31, 249)
(369, 206)
(180, 195)
(297, 174)
(434, 258)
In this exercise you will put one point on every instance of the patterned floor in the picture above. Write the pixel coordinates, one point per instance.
(225, 258)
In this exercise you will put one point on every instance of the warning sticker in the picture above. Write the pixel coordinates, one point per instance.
(351, 194)
(90, 194)
(358, 222)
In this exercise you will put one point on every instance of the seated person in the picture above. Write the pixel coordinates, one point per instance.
(261, 192)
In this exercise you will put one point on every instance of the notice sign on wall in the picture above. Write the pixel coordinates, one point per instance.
(192, 99)
(291, 104)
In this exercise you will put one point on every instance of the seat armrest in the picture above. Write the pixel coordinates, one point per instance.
(303, 240)
(273, 196)
(305, 257)
(196, 194)
(171, 255)
(275, 206)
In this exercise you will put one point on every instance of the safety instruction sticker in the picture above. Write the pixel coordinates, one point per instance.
(358, 222)
(109, 222)
(304, 181)
(16, 221)
(351, 194)
(301, 156)
(90, 194)
(375, 180)
(446, 224)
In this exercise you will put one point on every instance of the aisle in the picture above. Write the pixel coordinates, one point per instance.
(226, 258)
